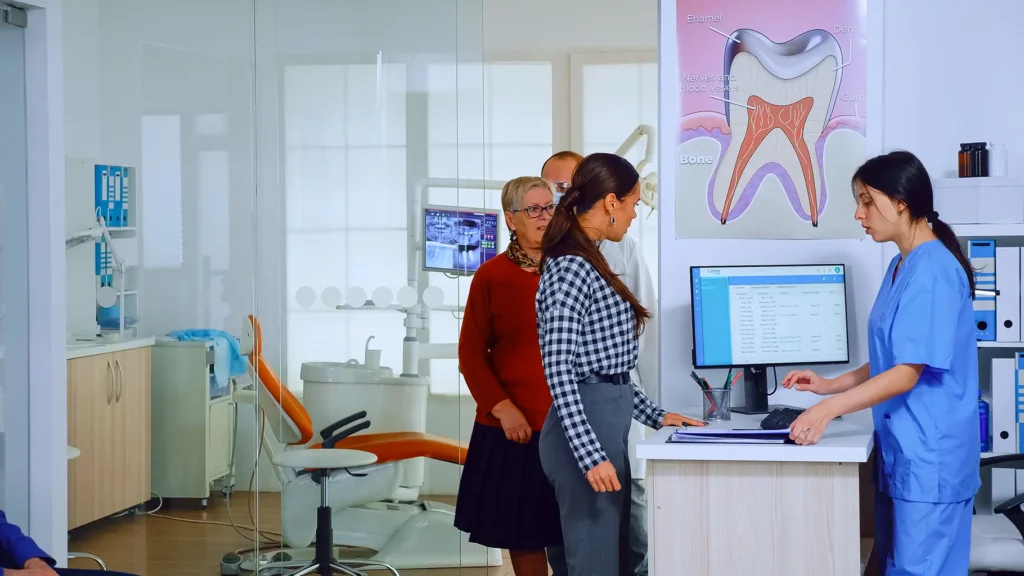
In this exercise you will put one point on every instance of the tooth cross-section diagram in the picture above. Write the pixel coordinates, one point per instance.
(782, 102)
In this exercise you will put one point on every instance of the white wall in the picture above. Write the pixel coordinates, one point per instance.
(927, 101)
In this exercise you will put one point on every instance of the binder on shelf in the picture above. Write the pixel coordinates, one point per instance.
(1008, 294)
(982, 255)
(1004, 424)
(1018, 359)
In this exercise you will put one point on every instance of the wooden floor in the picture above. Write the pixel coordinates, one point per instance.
(154, 545)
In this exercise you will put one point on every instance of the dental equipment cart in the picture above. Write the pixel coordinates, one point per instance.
(193, 422)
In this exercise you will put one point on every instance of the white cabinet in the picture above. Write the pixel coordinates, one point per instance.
(193, 430)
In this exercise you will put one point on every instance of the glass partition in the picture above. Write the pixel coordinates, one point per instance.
(161, 279)
(280, 208)
(370, 137)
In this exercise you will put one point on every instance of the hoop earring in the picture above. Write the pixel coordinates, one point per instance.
(613, 220)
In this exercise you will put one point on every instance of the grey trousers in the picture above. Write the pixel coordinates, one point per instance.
(595, 525)
(637, 536)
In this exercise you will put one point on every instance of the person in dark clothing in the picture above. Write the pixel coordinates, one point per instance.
(21, 556)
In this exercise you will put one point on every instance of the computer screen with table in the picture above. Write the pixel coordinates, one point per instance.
(757, 317)
(458, 240)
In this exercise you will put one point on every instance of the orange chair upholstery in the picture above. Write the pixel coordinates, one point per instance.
(387, 446)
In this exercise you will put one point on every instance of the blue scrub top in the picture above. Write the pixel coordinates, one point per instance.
(928, 443)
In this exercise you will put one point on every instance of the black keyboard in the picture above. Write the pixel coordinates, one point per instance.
(780, 418)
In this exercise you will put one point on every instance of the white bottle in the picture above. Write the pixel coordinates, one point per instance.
(997, 160)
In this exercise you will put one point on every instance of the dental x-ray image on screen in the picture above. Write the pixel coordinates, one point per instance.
(458, 241)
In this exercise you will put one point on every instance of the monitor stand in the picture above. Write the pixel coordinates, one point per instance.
(755, 391)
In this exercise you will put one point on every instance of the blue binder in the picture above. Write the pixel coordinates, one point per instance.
(1019, 381)
(982, 255)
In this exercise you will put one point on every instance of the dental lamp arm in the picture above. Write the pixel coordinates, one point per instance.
(649, 182)
(642, 131)
(93, 234)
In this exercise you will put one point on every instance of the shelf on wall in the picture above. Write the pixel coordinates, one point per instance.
(992, 344)
(987, 182)
(987, 230)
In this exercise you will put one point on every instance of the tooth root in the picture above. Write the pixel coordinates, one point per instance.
(762, 118)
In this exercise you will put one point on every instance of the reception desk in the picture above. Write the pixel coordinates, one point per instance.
(765, 509)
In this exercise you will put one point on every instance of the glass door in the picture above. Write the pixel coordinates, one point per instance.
(13, 269)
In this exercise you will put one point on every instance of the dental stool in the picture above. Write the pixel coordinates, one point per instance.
(321, 464)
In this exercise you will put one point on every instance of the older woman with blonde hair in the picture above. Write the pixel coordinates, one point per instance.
(505, 500)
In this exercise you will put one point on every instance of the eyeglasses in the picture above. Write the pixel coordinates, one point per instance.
(534, 211)
(560, 186)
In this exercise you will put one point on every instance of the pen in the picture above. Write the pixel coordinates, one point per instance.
(696, 379)
(734, 379)
(704, 386)
(727, 378)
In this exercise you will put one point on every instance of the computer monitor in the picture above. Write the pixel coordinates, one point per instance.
(458, 240)
(755, 317)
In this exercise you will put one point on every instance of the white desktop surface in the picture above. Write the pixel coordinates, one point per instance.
(841, 442)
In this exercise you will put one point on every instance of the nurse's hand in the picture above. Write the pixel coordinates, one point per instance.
(603, 478)
(809, 381)
(673, 419)
(809, 426)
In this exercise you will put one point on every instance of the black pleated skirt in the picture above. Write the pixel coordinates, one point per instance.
(505, 500)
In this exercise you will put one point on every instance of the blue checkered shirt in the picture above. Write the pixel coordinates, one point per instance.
(585, 329)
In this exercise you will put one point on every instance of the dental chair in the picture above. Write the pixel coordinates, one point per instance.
(365, 509)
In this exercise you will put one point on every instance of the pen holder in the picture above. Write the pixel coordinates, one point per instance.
(718, 404)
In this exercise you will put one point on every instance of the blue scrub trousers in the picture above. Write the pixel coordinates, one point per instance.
(922, 538)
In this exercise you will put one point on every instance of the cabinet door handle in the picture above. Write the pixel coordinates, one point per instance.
(120, 379)
(110, 384)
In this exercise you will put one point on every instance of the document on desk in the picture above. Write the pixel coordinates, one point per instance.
(738, 436)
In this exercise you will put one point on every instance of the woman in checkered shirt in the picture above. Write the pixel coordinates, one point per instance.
(588, 323)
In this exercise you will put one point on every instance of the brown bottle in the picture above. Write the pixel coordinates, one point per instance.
(964, 161)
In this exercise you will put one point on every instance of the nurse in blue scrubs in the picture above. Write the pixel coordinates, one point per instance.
(921, 381)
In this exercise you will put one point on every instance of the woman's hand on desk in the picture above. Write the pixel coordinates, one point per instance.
(809, 426)
(603, 478)
(673, 419)
(809, 381)
(516, 428)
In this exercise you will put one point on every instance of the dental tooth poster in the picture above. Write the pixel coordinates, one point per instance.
(771, 123)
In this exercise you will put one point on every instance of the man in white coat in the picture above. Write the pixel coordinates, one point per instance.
(624, 259)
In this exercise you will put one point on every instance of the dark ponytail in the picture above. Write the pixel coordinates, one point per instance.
(902, 177)
(597, 176)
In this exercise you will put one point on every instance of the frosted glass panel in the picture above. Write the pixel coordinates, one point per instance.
(508, 162)
(346, 204)
(161, 217)
(376, 105)
(315, 105)
(455, 105)
(377, 195)
(316, 259)
(518, 103)
(315, 188)
(376, 258)
(451, 161)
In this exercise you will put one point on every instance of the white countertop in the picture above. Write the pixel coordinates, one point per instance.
(842, 442)
(83, 349)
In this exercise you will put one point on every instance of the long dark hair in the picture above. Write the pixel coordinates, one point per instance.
(597, 176)
(902, 177)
